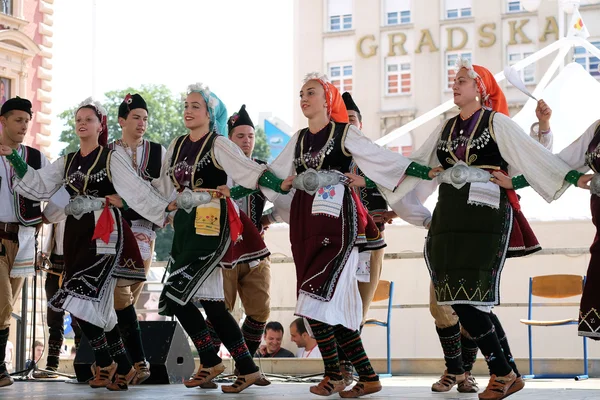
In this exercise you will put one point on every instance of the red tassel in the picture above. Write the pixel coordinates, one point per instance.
(105, 225)
(361, 211)
(236, 228)
(513, 199)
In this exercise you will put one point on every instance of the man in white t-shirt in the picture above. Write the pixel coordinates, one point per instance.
(307, 345)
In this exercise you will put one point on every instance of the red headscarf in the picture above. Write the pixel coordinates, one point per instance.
(491, 93)
(336, 109)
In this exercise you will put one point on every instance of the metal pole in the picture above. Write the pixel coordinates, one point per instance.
(22, 340)
(94, 94)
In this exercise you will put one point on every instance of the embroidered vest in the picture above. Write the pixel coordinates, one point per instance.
(90, 176)
(29, 212)
(204, 172)
(332, 155)
(148, 168)
(592, 155)
(482, 150)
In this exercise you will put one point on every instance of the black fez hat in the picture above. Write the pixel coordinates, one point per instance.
(350, 104)
(131, 102)
(16, 104)
(239, 118)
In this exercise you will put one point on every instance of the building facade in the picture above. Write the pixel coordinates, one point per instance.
(26, 61)
(397, 57)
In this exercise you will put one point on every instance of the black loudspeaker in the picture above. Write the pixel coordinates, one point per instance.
(166, 347)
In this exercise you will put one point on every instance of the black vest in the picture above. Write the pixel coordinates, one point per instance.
(592, 155)
(482, 149)
(29, 212)
(256, 205)
(148, 169)
(333, 153)
(90, 176)
(206, 173)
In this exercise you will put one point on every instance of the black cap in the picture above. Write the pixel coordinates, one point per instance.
(131, 102)
(239, 118)
(16, 104)
(350, 104)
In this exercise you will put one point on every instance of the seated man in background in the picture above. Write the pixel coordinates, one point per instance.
(307, 345)
(273, 337)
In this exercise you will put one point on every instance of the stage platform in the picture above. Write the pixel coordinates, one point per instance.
(398, 387)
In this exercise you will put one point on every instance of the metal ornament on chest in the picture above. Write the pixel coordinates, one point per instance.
(479, 142)
(80, 176)
(315, 161)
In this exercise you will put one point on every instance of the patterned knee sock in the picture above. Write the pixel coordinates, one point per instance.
(53, 353)
(231, 335)
(480, 326)
(117, 350)
(194, 324)
(252, 330)
(213, 334)
(451, 346)
(351, 344)
(327, 345)
(469, 352)
(342, 354)
(97, 339)
(131, 333)
(504, 343)
(3, 340)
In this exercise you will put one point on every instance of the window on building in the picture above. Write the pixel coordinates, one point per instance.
(339, 15)
(4, 92)
(6, 7)
(398, 76)
(590, 62)
(451, 59)
(458, 9)
(527, 73)
(397, 12)
(341, 77)
(513, 6)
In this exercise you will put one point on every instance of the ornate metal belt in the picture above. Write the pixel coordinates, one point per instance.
(595, 185)
(81, 205)
(461, 173)
(189, 199)
(312, 180)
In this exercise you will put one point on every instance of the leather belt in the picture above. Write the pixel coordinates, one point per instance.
(9, 231)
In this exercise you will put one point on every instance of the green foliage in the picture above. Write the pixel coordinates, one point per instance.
(262, 151)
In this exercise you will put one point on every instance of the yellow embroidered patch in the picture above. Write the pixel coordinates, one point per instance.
(208, 218)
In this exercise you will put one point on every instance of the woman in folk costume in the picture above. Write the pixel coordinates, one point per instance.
(100, 250)
(477, 224)
(328, 222)
(208, 233)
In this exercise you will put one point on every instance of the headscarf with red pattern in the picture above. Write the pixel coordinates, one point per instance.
(336, 109)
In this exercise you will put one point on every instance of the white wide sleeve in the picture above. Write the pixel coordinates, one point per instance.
(424, 155)
(163, 183)
(41, 184)
(574, 154)
(544, 171)
(55, 209)
(138, 193)
(243, 170)
(545, 139)
(381, 165)
(410, 209)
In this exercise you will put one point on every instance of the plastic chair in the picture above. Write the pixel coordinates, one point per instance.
(554, 287)
(385, 291)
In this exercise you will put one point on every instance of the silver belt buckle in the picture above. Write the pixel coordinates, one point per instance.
(312, 180)
(80, 206)
(595, 184)
(461, 173)
(188, 199)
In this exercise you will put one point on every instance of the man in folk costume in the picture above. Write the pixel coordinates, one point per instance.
(252, 280)
(19, 218)
(146, 159)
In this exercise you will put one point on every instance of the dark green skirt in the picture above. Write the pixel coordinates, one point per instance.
(466, 248)
(193, 258)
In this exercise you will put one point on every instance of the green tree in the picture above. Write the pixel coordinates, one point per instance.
(262, 151)
(164, 239)
(165, 110)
